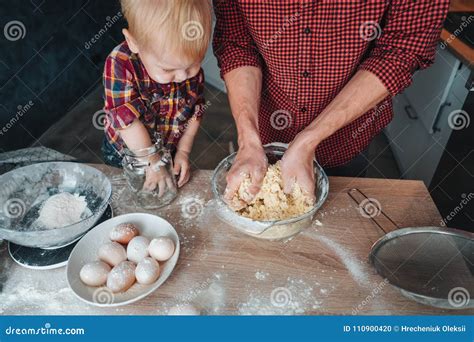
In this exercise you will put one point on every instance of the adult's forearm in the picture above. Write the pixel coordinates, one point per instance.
(244, 86)
(359, 95)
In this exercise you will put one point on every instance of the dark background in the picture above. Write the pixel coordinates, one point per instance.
(51, 65)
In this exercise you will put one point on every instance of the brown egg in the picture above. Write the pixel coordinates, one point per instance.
(161, 248)
(147, 271)
(94, 273)
(137, 249)
(124, 232)
(112, 253)
(122, 277)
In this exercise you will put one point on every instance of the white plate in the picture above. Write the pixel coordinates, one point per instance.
(150, 226)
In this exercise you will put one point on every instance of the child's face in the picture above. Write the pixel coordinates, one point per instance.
(167, 67)
(163, 66)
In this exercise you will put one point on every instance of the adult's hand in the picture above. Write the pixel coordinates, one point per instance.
(250, 161)
(359, 95)
(244, 86)
(297, 166)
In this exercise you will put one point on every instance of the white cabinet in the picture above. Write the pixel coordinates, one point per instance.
(428, 93)
(420, 128)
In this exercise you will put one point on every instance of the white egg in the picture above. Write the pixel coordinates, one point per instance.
(94, 273)
(112, 253)
(161, 248)
(122, 277)
(147, 271)
(137, 249)
(183, 310)
(124, 232)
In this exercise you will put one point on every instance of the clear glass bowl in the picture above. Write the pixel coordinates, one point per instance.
(25, 189)
(272, 230)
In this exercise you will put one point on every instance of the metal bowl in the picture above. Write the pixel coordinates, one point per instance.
(270, 230)
(25, 189)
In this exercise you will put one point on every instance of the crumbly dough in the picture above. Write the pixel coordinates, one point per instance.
(271, 203)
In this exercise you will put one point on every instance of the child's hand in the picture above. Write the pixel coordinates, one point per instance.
(157, 177)
(182, 167)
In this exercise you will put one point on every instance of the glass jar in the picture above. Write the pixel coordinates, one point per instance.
(149, 174)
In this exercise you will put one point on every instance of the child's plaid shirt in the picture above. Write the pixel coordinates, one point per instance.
(131, 94)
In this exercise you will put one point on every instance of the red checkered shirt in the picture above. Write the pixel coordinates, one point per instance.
(309, 50)
(130, 94)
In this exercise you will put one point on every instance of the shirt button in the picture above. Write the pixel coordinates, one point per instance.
(307, 30)
(305, 74)
(303, 109)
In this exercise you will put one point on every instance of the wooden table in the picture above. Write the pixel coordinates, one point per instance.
(323, 270)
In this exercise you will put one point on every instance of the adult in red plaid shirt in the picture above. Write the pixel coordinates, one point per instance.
(318, 75)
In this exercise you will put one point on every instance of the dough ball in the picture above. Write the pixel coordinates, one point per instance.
(112, 253)
(137, 249)
(122, 277)
(124, 232)
(147, 271)
(183, 310)
(271, 202)
(161, 248)
(94, 273)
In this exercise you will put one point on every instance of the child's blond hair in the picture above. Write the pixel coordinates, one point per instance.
(186, 24)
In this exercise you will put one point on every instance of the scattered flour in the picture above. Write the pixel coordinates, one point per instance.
(33, 293)
(296, 297)
(260, 275)
(208, 296)
(352, 263)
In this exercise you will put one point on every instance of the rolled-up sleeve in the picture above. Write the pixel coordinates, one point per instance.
(233, 45)
(122, 102)
(407, 43)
